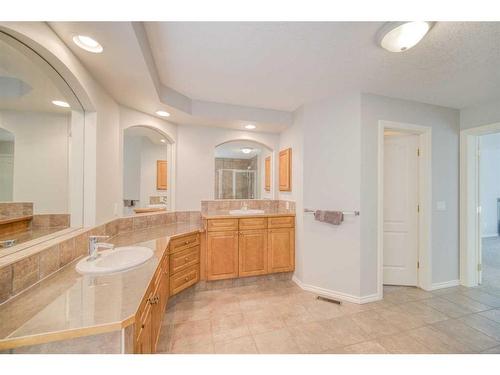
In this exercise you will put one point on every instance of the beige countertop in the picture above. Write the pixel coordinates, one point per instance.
(68, 301)
(224, 214)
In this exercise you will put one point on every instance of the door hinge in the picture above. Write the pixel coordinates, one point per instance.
(418, 208)
(418, 151)
(418, 265)
(479, 267)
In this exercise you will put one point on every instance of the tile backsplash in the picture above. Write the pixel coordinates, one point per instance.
(55, 254)
(50, 221)
(9, 210)
(234, 204)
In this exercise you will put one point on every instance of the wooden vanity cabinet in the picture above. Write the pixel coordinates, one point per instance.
(281, 250)
(178, 269)
(184, 262)
(144, 336)
(222, 255)
(151, 310)
(260, 246)
(252, 253)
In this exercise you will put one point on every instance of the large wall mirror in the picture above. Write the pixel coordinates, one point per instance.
(147, 177)
(41, 150)
(243, 170)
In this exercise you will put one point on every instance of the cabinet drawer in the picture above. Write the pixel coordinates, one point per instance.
(184, 242)
(220, 225)
(184, 279)
(253, 223)
(184, 259)
(281, 222)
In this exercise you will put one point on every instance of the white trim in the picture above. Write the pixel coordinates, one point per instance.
(469, 203)
(336, 295)
(445, 284)
(425, 194)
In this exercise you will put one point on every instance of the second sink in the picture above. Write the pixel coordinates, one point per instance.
(246, 212)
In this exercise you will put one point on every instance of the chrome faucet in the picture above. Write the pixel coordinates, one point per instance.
(94, 246)
(244, 206)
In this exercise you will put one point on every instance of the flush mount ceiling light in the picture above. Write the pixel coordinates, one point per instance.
(250, 126)
(162, 113)
(401, 36)
(60, 103)
(246, 150)
(87, 43)
(163, 140)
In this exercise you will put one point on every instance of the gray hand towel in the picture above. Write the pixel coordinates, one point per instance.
(330, 217)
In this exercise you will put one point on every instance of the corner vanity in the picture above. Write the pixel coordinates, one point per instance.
(123, 312)
(249, 245)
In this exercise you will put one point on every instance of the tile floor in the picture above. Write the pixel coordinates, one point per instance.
(276, 316)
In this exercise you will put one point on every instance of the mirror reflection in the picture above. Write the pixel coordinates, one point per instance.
(41, 189)
(242, 170)
(146, 170)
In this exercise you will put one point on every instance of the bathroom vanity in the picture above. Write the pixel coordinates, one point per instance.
(249, 245)
(122, 312)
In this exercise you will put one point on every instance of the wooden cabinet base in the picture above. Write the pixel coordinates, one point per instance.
(169, 279)
(255, 246)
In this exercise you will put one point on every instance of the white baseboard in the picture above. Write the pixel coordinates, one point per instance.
(446, 284)
(336, 295)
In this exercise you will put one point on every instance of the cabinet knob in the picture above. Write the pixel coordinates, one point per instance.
(186, 242)
(142, 326)
(186, 259)
(186, 278)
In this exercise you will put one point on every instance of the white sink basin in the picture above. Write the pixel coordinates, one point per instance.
(118, 259)
(246, 212)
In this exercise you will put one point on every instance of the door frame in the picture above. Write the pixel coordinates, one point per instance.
(424, 235)
(470, 220)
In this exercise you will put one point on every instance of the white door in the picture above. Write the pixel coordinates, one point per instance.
(400, 209)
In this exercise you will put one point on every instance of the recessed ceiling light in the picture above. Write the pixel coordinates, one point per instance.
(246, 150)
(87, 43)
(401, 36)
(250, 126)
(162, 113)
(60, 103)
(163, 140)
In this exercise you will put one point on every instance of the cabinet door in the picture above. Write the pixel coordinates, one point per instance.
(222, 255)
(285, 169)
(164, 284)
(267, 179)
(281, 250)
(161, 175)
(156, 312)
(253, 252)
(144, 337)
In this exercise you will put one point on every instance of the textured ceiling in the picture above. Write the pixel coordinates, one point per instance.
(284, 65)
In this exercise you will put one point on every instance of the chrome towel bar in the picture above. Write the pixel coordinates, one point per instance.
(355, 213)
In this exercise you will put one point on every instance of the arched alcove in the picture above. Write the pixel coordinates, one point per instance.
(243, 170)
(148, 169)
